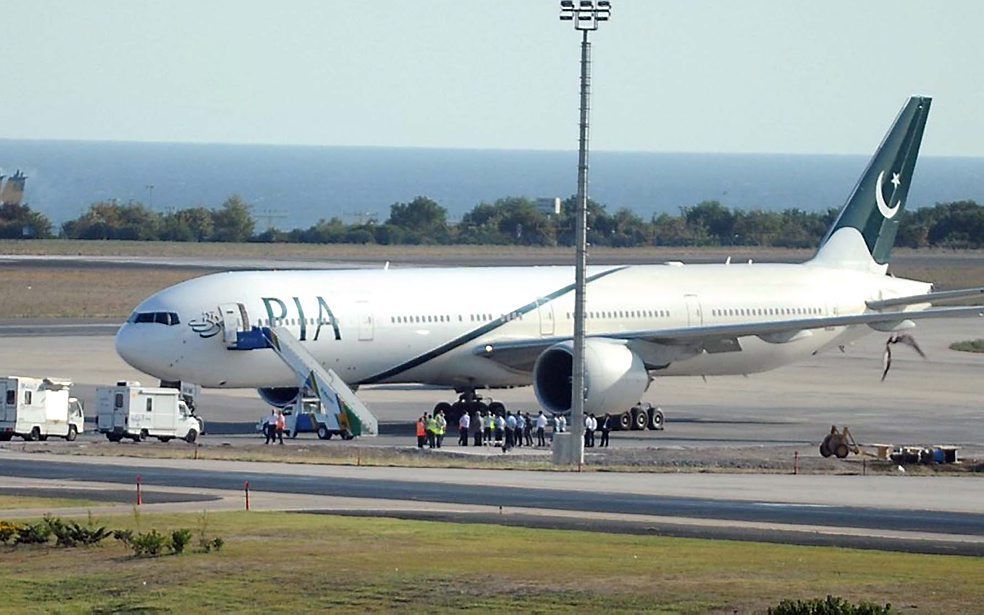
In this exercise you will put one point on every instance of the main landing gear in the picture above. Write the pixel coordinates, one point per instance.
(468, 402)
(641, 417)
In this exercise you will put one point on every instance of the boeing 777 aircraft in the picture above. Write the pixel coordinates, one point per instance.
(643, 322)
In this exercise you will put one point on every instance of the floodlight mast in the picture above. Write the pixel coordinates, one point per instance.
(586, 15)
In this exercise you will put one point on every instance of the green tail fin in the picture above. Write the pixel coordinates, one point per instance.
(876, 204)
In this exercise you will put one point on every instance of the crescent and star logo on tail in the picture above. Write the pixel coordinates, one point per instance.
(888, 212)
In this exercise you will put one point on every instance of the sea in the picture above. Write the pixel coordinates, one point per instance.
(295, 186)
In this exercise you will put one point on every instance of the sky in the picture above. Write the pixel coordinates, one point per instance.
(762, 76)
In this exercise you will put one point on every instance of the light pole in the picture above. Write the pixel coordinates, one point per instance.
(150, 196)
(585, 15)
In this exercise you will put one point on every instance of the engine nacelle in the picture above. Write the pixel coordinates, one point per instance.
(614, 377)
(279, 397)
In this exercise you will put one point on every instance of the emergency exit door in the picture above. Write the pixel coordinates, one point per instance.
(234, 319)
(366, 323)
(546, 314)
(695, 317)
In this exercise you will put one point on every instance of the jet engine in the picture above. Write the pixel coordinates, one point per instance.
(279, 397)
(614, 377)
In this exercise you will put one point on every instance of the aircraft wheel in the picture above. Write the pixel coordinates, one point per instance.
(841, 451)
(657, 422)
(481, 406)
(72, 433)
(825, 447)
(623, 422)
(323, 433)
(497, 407)
(639, 418)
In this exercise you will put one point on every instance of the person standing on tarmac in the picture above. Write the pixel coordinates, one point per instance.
(510, 432)
(488, 422)
(606, 426)
(528, 429)
(518, 433)
(589, 428)
(476, 423)
(463, 424)
(270, 426)
(431, 425)
(442, 426)
(421, 431)
(541, 425)
(500, 427)
(281, 425)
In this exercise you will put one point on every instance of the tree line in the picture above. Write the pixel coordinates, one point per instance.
(507, 221)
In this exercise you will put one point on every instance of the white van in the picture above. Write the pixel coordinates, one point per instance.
(35, 408)
(129, 410)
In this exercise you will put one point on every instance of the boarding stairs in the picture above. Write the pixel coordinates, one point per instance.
(344, 412)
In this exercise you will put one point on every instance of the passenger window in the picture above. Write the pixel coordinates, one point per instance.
(27, 398)
(11, 397)
(150, 404)
(118, 403)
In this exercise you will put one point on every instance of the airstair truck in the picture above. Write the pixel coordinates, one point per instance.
(129, 410)
(35, 408)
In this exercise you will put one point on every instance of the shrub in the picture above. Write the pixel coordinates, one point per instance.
(150, 543)
(72, 534)
(179, 540)
(33, 534)
(832, 605)
(8, 531)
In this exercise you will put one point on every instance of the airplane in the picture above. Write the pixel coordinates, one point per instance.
(477, 329)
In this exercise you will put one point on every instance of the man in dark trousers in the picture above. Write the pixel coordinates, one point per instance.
(541, 425)
(528, 430)
(605, 427)
(463, 424)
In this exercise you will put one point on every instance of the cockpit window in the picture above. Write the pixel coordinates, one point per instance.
(161, 318)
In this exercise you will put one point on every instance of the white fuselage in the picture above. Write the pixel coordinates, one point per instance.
(426, 325)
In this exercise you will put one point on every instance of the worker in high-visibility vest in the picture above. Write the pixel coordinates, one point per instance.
(421, 432)
(431, 424)
(442, 427)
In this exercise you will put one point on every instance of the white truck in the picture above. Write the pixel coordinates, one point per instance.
(129, 410)
(35, 408)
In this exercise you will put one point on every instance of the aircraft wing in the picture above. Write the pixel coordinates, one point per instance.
(659, 347)
(946, 295)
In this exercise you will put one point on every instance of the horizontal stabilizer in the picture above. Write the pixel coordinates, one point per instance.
(946, 295)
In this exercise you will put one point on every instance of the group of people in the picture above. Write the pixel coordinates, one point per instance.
(591, 425)
(504, 429)
(274, 426)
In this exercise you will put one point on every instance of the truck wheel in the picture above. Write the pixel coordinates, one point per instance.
(323, 433)
(656, 419)
(114, 437)
(143, 434)
(347, 436)
(6, 436)
(191, 437)
(72, 433)
(34, 435)
(43, 438)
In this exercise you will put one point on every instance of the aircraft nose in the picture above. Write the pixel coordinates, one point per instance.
(128, 346)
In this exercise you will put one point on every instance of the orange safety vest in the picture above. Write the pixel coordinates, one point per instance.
(421, 432)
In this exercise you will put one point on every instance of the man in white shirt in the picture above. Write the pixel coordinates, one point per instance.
(463, 424)
(520, 426)
(589, 427)
(541, 424)
(270, 426)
